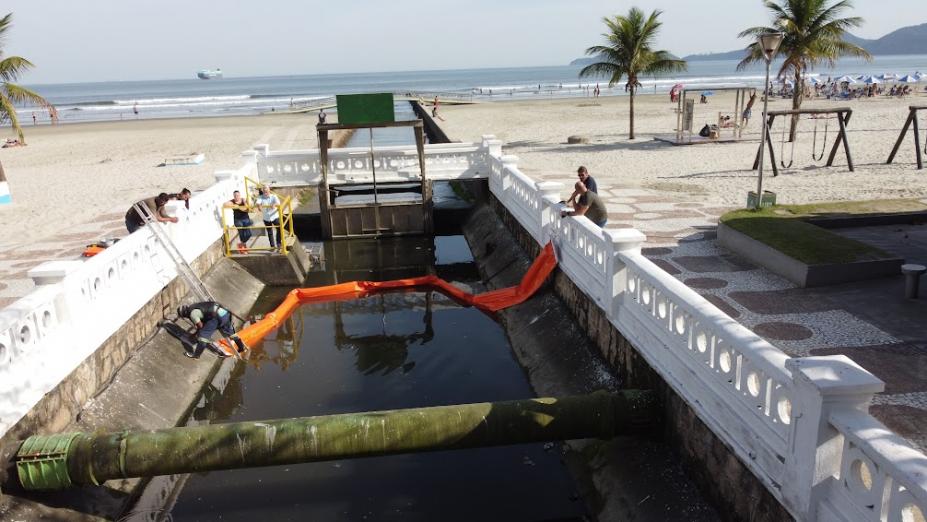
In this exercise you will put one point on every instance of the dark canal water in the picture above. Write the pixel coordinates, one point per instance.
(399, 350)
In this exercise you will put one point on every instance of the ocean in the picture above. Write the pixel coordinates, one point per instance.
(78, 102)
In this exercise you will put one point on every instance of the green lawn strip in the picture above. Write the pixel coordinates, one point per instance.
(782, 228)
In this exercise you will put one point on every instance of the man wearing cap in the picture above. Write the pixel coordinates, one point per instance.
(209, 316)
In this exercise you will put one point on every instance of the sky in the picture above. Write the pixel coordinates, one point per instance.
(105, 40)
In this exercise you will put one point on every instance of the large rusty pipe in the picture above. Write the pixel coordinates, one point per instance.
(84, 458)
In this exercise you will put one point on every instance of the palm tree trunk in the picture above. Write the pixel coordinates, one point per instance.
(798, 95)
(631, 136)
(2, 175)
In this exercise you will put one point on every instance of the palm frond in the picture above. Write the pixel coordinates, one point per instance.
(8, 112)
(12, 67)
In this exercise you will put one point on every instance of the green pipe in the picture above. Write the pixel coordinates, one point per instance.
(60, 461)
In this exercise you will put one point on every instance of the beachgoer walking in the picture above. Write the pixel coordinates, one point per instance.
(322, 116)
(209, 316)
(588, 204)
(34, 122)
(156, 205)
(241, 219)
(135, 110)
(269, 205)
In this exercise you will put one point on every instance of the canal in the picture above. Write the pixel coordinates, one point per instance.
(398, 350)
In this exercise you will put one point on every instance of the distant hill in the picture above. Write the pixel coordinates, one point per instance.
(907, 40)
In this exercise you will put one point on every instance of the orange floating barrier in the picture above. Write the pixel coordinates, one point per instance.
(488, 302)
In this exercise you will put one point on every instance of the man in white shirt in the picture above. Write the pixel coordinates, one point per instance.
(269, 205)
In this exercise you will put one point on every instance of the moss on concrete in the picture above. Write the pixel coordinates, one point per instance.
(783, 227)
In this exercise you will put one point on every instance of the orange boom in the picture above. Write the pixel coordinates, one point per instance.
(487, 302)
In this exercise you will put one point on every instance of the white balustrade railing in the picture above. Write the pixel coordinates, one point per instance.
(447, 161)
(77, 305)
(801, 425)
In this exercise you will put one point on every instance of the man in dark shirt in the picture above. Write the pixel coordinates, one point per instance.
(588, 204)
(587, 180)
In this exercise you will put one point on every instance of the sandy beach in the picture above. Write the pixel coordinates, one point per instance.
(717, 174)
(72, 184)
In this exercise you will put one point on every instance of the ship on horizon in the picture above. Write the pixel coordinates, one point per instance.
(209, 74)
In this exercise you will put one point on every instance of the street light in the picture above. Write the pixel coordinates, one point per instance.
(769, 44)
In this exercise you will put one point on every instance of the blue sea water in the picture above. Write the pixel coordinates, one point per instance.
(252, 95)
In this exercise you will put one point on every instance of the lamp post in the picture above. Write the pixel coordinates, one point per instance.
(769, 44)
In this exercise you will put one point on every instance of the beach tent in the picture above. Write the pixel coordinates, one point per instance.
(845, 79)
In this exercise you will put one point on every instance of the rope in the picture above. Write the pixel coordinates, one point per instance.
(782, 150)
(814, 145)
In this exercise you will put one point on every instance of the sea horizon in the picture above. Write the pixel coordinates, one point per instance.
(246, 95)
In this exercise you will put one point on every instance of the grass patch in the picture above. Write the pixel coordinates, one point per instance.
(783, 228)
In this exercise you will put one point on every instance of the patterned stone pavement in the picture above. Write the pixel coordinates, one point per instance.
(69, 243)
(888, 339)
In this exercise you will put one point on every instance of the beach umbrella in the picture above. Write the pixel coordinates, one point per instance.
(861, 76)
(815, 80)
(887, 77)
(920, 76)
(845, 79)
(708, 93)
(907, 79)
(872, 80)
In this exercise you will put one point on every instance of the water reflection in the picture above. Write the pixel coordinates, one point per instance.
(283, 349)
(382, 352)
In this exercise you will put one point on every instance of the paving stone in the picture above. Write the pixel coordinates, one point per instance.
(791, 301)
(705, 283)
(689, 205)
(706, 264)
(647, 215)
(907, 421)
(2, 286)
(613, 206)
(780, 331)
(902, 366)
(722, 305)
(666, 266)
(649, 207)
(618, 225)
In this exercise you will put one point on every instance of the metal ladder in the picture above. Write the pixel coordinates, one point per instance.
(194, 283)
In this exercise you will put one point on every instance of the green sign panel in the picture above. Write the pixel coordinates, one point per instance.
(365, 109)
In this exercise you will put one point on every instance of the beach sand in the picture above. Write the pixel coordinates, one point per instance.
(716, 174)
(73, 183)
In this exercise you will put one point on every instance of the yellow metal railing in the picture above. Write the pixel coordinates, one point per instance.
(284, 211)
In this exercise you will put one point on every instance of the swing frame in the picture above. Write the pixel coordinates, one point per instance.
(843, 119)
(912, 120)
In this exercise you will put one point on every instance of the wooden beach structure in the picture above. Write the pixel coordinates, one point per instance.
(843, 115)
(687, 134)
(910, 122)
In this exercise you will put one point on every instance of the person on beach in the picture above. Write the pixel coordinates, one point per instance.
(135, 110)
(748, 111)
(269, 205)
(242, 220)
(209, 316)
(34, 122)
(583, 174)
(589, 204)
(155, 205)
(322, 116)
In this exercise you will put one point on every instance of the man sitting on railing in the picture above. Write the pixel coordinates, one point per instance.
(588, 204)
(269, 205)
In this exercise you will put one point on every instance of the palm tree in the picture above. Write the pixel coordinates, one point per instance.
(814, 32)
(11, 68)
(629, 52)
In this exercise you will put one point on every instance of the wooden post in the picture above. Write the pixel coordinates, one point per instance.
(917, 145)
(842, 138)
(325, 214)
(427, 202)
(904, 130)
